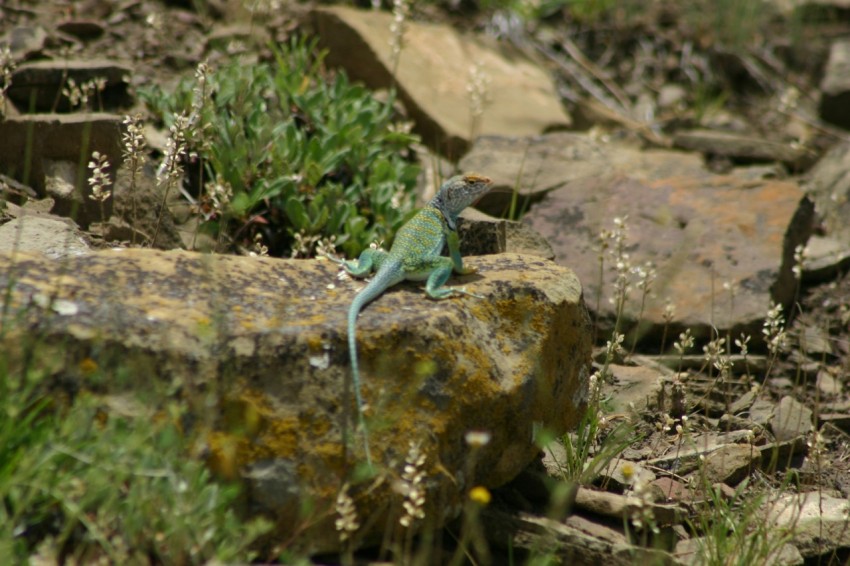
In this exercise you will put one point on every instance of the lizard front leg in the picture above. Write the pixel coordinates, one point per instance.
(454, 250)
(435, 286)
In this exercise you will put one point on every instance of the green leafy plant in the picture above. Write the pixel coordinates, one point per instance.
(308, 157)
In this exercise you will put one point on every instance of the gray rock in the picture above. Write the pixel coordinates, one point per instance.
(25, 41)
(617, 506)
(813, 339)
(828, 385)
(817, 522)
(432, 82)
(738, 146)
(534, 166)
(633, 388)
(482, 234)
(791, 419)
(672, 96)
(828, 184)
(835, 86)
(729, 464)
(269, 336)
(52, 237)
(672, 490)
(761, 411)
(827, 258)
(700, 229)
(689, 552)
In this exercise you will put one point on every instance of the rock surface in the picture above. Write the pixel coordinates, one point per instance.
(38, 85)
(742, 147)
(508, 364)
(835, 86)
(433, 76)
(816, 521)
(791, 419)
(828, 184)
(50, 236)
(698, 228)
(48, 142)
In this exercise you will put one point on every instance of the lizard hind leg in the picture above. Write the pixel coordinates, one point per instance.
(436, 288)
(370, 260)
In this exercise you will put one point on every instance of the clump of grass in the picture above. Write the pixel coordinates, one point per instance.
(733, 530)
(82, 483)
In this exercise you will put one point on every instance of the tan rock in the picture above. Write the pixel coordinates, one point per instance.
(267, 337)
(433, 75)
(700, 229)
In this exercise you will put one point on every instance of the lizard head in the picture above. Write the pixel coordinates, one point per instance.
(461, 191)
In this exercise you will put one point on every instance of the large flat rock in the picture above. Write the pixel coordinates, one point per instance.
(433, 77)
(698, 228)
(269, 336)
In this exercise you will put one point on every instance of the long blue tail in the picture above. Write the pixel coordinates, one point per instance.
(356, 305)
(387, 276)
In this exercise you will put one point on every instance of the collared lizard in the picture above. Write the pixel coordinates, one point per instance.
(415, 256)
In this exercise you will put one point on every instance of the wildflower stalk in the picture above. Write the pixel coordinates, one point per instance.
(398, 27)
(412, 488)
(347, 522)
(99, 181)
(7, 67)
(478, 89)
(646, 276)
(669, 314)
(171, 168)
(134, 145)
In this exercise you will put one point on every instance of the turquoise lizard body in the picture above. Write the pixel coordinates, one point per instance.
(415, 256)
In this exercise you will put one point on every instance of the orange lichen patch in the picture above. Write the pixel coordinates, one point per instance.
(88, 366)
(281, 437)
(243, 416)
(227, 454)
(315, 343)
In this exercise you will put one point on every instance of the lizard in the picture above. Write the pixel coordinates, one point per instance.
(415, 255)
